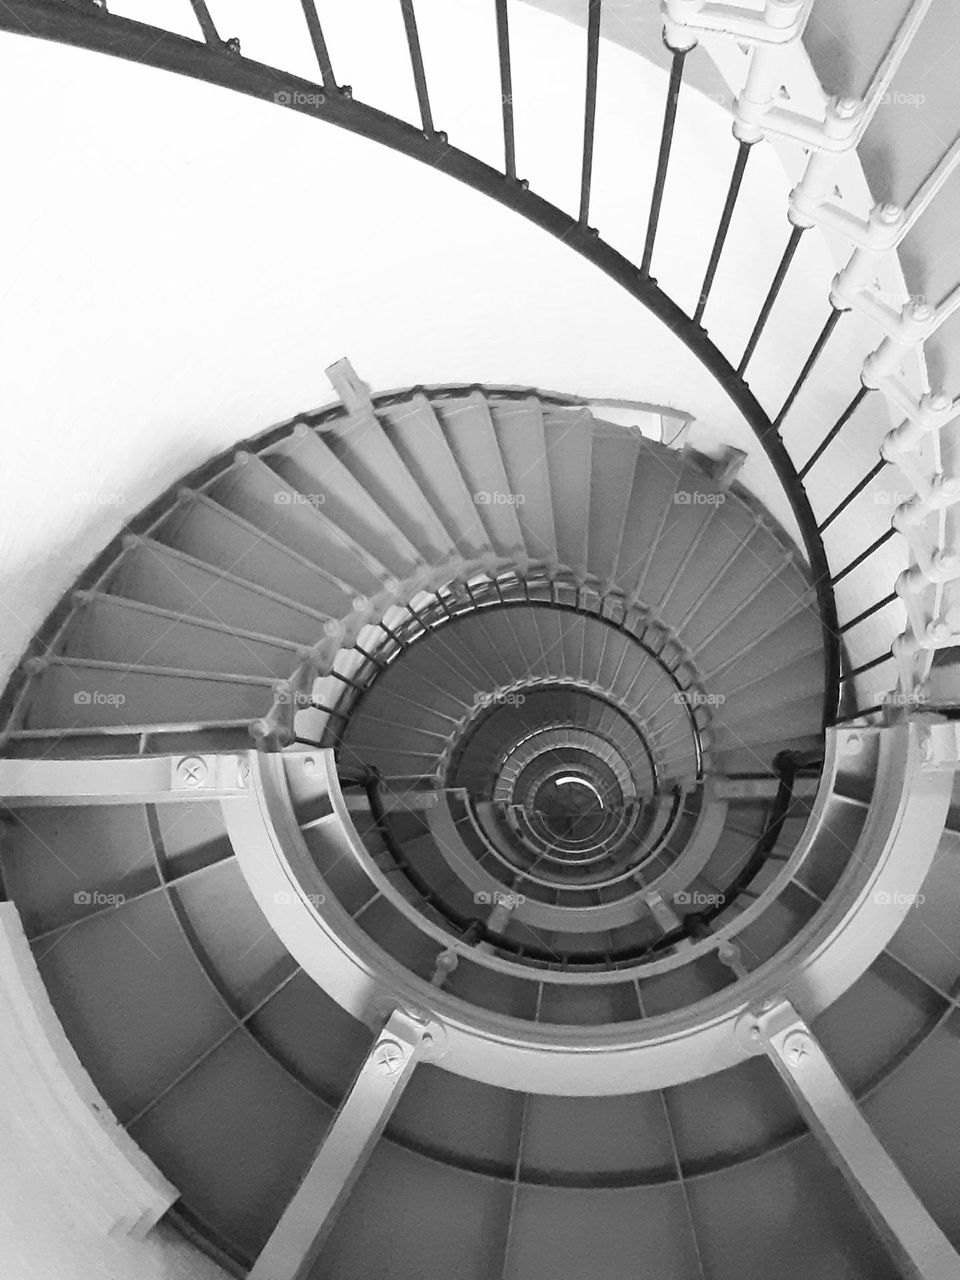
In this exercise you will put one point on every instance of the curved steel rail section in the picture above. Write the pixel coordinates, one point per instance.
(897, 842)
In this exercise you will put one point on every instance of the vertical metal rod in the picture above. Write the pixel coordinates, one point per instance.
(416, 61)
(207, 26)
(506, 90)
(728, 207)
(841, 422)
(855, 715)
(854, 492)
(812, 359)
(867, 666)
(663, 159)
(874, 608)
(319, 45)
(864, 555)
(589, 106)
(778, 279)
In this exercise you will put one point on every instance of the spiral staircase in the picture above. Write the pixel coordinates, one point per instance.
(456, 833)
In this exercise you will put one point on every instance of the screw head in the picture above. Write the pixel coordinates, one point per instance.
(853, 744)
(389, 1057)
(192, 771)
(847, 108)
(796, 1048)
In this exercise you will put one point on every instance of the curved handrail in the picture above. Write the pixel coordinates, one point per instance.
(220, 62)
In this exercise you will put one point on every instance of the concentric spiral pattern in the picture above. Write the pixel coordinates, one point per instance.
(537, 704)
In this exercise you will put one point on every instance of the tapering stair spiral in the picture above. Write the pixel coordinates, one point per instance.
(466, 701)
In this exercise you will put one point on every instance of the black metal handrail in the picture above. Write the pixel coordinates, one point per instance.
(505, 592)
(220, 62)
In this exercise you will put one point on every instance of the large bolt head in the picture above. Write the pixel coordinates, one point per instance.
(796, 1048)
(192, 771)
(389, 1057)
(847, 108)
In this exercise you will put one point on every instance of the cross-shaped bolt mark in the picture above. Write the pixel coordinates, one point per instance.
(388, 1057)
(192, 771)
(796, 1049)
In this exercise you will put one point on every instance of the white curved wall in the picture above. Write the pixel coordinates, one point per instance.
(190, 260)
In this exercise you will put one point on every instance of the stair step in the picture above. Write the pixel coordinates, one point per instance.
(362, 445)
(520, 434)
(113, 629)
(261, 496)
(419, 438)
(469, 430)
(569, 440)
(207, 531)
(613, 464)
(78, 692)
(159, 575)
(655, 482)
(309, 465)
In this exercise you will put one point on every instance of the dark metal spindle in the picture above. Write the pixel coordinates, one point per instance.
(864, 555)
(857, 489)
(728, 207)
(663, 159)
(506, 90)
(841, 422)
(874, 608)
(589, 106)
(812, 359)
(778, 279)
(416, 61)
(867, 666)
(207, 26)
(319, 45)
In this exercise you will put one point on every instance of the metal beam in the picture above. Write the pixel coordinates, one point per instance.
(300, 1234)
(26, 783)
(920, 1249)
